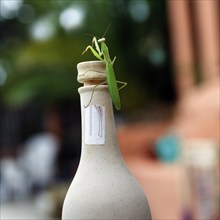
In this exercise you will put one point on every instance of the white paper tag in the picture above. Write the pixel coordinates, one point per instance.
(95, 125)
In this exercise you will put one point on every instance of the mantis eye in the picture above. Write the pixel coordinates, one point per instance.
(101, 40)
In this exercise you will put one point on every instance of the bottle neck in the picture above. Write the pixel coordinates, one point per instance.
(98, 125)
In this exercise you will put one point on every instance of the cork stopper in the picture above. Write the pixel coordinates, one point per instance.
(91, 72)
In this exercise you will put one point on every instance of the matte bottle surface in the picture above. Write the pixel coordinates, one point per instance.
(103, 187)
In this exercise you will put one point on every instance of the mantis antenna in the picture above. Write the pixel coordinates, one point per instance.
(92, 35)
(106, 30)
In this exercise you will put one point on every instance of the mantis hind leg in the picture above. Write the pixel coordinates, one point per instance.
(93, 90)
(123, 84)
(92, 71)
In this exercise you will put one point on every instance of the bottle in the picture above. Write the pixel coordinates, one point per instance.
(103, 187)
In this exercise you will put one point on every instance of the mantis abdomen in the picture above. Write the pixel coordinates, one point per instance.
(112, 85)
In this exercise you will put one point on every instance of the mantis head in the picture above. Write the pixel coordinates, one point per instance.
(101, 40)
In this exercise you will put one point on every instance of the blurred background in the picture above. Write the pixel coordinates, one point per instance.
(168, 128)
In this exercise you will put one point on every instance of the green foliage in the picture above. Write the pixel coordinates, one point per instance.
(44, 70)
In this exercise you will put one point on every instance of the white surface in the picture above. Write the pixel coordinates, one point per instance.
(95, 124)
(103, 188)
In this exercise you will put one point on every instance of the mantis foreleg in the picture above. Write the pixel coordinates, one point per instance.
(94, 41)
(94, 53)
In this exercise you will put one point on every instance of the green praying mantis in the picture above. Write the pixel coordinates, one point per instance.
(101, 52)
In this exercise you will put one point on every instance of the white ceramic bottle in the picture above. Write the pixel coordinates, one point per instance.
(103, 187)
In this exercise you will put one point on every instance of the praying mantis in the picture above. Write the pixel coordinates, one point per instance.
(101, 52)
